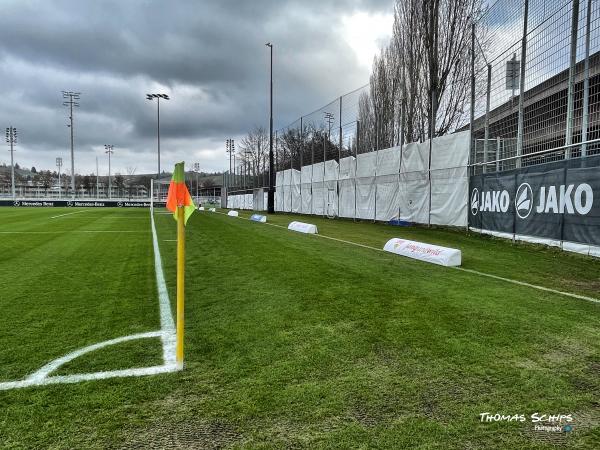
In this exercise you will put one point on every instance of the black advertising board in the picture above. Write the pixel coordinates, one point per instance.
(25, 203)
(558, 201)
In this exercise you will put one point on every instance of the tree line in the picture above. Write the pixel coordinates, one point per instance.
(419, 88)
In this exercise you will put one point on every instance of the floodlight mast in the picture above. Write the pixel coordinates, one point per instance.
(271, 194)
(197, 170)
(157, 97)
(59, 163)
(71, 102)
(109, 151)
(11, 139)
(230, 148)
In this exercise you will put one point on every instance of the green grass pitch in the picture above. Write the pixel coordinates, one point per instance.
(292, 340)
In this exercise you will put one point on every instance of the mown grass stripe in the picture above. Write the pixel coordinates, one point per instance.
(475, 272)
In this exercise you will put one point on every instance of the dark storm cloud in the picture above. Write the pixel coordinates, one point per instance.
(210, 56)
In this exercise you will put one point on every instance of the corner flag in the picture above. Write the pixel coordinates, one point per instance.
(179, 194)
(180, 203)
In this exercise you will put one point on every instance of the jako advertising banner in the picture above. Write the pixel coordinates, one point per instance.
(558, 201)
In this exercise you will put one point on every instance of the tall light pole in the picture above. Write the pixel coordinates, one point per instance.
(271, 194)
(11, 139)
(229, 148)
(197, 170)
(157, 97)
(59, 164)
(109, 151)
(97, 180)
(71, 102)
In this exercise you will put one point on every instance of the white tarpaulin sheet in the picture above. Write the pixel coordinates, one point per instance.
(318, 190)
(365, 198)
(415, 157)
(317, 172)
(306, 194)
(306, 175)
(318, 198)
(287, 190)
(347, 198)
(449, 197)
(279, 191)
(387, 184)
(305, 189)
(258, 200)
(296, 200)
(346, 187)
(387, 197)
(279, 198)
(331, 176)
(449, 180)
(414, 197)
(347, 168)
(366, 165)
(414, 183)
(249, 201)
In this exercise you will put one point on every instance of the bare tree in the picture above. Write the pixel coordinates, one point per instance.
(424, 73)
(254, 151)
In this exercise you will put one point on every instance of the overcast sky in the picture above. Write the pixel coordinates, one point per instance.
(209, 56)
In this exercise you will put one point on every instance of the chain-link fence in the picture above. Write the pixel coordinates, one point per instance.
(539, 72)
(533, 74)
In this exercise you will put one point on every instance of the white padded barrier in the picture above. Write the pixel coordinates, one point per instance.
(435, 254)
(258, 218)
(200, 208)
(212, 210)
(233, 213)
(302, 227)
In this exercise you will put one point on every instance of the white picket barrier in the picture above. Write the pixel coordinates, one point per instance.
(435, 254)
(233, 213)
(302, 227)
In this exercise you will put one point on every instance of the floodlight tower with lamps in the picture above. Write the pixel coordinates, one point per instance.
(71, 101)
(271, 194)
(59, 164)
(230, 148)
(109, 151)
(229, 145)
(197, 170)
(11, 139)
(157, 97)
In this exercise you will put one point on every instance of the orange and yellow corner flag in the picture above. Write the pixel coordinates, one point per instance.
(179, 194)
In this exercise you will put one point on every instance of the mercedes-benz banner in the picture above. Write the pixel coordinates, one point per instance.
(80, 203)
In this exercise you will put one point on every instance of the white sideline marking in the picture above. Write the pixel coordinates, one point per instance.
(46, 370)
(167, 325)
(169, 240)
(73, 231)
(523, 283)
(111, 216)
(68, 214)
(167, 335)
(475, 272)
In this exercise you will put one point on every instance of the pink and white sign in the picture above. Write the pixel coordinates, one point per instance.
(435, 254)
